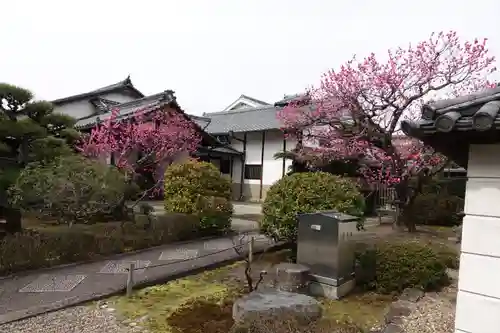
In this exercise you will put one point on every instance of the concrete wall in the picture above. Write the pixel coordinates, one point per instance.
(82, 108)
(478, 301)
(272, 169)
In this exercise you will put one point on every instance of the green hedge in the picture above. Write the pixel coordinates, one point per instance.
(435, 209)
(307, 192)
(199, 189)
(44, 247)
(392, 267)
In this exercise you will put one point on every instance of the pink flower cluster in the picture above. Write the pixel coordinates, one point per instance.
(143, 141)
(356, 111)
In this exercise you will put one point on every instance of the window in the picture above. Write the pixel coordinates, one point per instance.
(253, 171)
(225, 166)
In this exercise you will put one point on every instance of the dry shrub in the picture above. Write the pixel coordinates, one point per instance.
(202, 316)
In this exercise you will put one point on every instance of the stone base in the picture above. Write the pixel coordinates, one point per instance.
(276, 304)
(330, 291)
(291, 277)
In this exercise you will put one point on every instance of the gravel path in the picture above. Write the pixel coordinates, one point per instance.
(435, 313)
(79, 319)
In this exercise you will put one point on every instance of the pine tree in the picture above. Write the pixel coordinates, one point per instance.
(29, 131)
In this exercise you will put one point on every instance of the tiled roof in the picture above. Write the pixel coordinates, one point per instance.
(223, 149)
(246, 120)
(102, 104)
(258, 101)
(122, 85)
(290, 98)
(148, 103)
(200, 121)
(476, 112)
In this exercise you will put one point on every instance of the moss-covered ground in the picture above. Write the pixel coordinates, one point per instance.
(203, 302)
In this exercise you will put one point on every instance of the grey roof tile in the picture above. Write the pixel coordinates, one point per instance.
(148, 103)
(223, 149)
(474, 112)
(258, 101)
(246, 120)
(103, 105)
(200, 121)
(290, 98)
(122, 85)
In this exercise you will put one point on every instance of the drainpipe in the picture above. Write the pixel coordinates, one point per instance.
(242, 176)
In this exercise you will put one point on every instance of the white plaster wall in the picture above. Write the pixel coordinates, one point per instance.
(77, 109)
(272, 168)
(478, 301)
(236, 161)
(254, 152)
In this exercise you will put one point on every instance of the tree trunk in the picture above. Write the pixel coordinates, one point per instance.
(405, 196)
(13, 220)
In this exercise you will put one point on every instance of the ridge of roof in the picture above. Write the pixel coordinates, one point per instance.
(290, 98)
(254, 99)
(127, 108)
(124, 84)
(147, 104)
(478, 111)
(246, 110)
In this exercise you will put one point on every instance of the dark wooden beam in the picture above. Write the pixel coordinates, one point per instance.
(262, 163)
(231, 163)
(284, 159)
(243, 158)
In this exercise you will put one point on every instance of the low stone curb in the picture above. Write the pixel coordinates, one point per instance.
(77, 300)
(399, 309)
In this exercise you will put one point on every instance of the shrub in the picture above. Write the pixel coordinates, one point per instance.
(304, 193)
(62, 245)
(435, 209)
(392, 267)
(199, 189)
(449, 257)
(69, 189)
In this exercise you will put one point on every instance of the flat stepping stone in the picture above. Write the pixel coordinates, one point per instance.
(411, 294)
(271, 303)
(179, 254)
(53, 283)
(122, 266)
(217, 245)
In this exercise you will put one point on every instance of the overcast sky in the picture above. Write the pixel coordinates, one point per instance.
(210, 52)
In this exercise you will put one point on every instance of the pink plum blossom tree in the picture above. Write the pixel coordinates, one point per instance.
(356, 111)
(147, 141)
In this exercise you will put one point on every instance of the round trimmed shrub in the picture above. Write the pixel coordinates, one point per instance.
(439, 209)
(198, 188)
(392, 267)
(307, 192)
